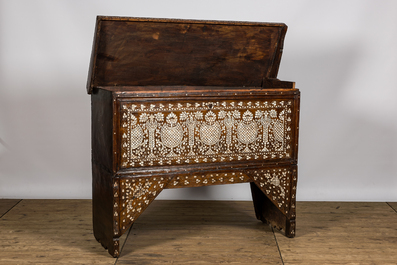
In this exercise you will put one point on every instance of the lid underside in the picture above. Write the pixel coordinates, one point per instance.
(152, 52)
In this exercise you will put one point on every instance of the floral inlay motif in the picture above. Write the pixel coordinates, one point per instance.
(155, 134)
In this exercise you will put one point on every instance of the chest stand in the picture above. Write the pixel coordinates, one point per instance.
(187, 103)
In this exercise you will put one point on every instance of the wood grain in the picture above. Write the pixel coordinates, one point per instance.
(52, 232)
(342, 233)
(130, 52)
(393, 205)
(200, 232)
(6, 205)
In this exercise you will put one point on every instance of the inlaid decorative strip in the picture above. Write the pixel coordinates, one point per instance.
(198, 180)
(293, 192)
(116, 201)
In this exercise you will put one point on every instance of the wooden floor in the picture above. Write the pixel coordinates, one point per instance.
(200, 232)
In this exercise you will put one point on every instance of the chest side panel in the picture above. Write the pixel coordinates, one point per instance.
(164, 132)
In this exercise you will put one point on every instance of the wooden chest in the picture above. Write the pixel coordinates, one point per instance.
(182, 103)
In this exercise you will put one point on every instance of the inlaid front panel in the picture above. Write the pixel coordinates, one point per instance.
(192, 132)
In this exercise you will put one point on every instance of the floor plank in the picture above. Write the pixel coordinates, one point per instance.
(50, 232)
(6, 205)
(342, 233)
(393, 205)
(199, 232)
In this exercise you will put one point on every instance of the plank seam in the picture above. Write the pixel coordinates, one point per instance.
(279, 251)
(391, 207)
(10, 208)
(125, 241)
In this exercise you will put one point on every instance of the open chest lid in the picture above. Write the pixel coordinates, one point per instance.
(171, 52)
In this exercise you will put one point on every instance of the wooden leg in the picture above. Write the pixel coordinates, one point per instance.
(114, 251)
(267, 212)
(111, 245)
(102, 210)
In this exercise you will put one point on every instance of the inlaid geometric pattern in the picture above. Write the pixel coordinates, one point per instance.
(136, 195)
(176, 133)
(276, 184)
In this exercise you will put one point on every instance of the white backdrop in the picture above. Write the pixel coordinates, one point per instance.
(342, 55)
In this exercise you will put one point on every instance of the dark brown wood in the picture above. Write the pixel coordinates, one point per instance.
(131, 52)
(275, 83)
(102, 128)
(182, 103)
(6, 205)
(102, 170)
